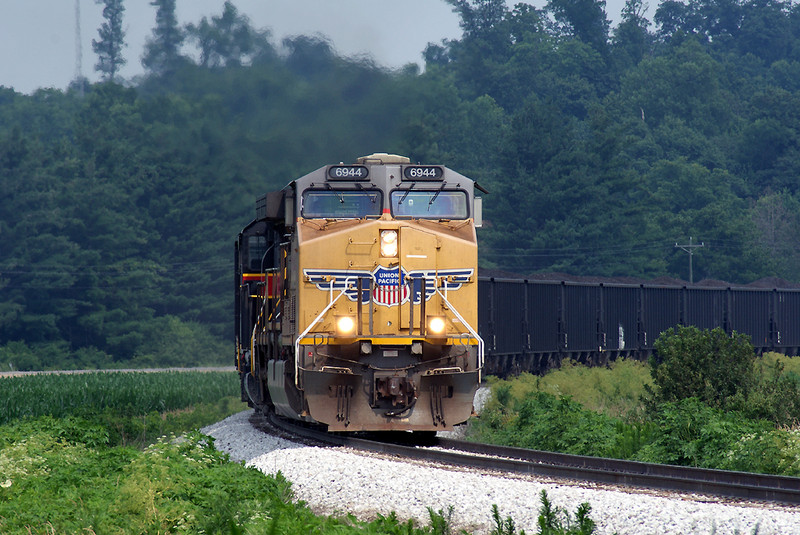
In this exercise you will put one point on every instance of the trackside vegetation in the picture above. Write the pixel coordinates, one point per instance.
(706, 401)
(98, 453)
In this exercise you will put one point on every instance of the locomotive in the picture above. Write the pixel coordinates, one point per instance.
(356, 290)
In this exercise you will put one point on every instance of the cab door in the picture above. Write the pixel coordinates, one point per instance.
(418, 252)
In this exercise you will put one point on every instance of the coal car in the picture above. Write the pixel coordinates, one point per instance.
(533, 325)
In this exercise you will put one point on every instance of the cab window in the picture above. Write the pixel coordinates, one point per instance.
(435, 204)
(338, 204)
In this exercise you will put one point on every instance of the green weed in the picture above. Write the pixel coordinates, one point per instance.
(572, 410)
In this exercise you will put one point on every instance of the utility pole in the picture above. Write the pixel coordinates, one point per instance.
(690, 249)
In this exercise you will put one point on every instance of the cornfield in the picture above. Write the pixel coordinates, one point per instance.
(129, 393)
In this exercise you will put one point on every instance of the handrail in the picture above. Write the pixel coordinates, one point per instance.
(472, 331)
(347, 287)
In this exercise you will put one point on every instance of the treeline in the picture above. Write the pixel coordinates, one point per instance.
(602, 147)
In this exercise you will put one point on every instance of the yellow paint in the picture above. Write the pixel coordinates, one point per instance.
(354, 245)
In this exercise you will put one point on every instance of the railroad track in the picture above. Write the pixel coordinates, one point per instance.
(718, 483)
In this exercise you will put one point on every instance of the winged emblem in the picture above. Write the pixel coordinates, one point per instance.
(389, 287)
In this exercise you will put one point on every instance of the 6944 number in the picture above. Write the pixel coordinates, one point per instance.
(348, 172)
(423, 172)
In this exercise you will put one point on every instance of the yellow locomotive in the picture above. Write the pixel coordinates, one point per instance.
(356, 297)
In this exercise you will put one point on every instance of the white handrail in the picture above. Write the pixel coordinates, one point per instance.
(347, 286)
(472, 331)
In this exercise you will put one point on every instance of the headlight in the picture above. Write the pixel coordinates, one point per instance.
(389, 243)
(436, 325)
(345, 324)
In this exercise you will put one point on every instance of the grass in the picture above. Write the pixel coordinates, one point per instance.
(614, 390)
(97, 454)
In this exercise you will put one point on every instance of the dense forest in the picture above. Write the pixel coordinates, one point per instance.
(602, 148)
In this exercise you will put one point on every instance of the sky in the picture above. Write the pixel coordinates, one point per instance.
(38, 37)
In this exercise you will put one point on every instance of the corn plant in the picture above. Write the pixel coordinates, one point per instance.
(127, 393)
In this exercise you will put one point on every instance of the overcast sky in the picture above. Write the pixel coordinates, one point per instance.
(38, 37)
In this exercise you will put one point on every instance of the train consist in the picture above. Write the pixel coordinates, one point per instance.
(532, 325)
(358, 303)
(356, 291)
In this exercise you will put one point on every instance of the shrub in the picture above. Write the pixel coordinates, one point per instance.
(690, 433)
(170, 341)
(543, 421)
(712, 366)
(18, 356)
(776, 396)
(557, 521)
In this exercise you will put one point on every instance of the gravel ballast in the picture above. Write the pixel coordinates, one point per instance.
(339, 480)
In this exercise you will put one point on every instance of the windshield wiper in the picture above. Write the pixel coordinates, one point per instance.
(406, 194)
(372, 198)
(337, 192)
(436, 195)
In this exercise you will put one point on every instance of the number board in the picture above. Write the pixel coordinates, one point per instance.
(348, 172)
(423, 172)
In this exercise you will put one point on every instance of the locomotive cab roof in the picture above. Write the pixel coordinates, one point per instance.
(383, 158)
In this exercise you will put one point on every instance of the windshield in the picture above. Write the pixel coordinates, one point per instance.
(434, 204)
(333, 204)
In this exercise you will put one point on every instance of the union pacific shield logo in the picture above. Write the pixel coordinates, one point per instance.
(391, 287)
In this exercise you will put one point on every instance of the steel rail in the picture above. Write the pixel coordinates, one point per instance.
(718, 483)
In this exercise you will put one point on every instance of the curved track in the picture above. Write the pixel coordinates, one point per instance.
(719, 483)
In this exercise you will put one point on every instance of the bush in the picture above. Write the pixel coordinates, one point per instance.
(690, 433)
(723, 372)
(776, 396)
(712, 366)
(169, 341)
(544, 422)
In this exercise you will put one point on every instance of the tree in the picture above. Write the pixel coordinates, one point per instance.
(229, 39)
(435, 55)
(584, 19)
(162, 50)
(674, 18)
(112, 40)
(765, 29)
(484, 47)
(479, 17)
(311, 57)
(684, 84)
(632, 41)
(776, 225)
